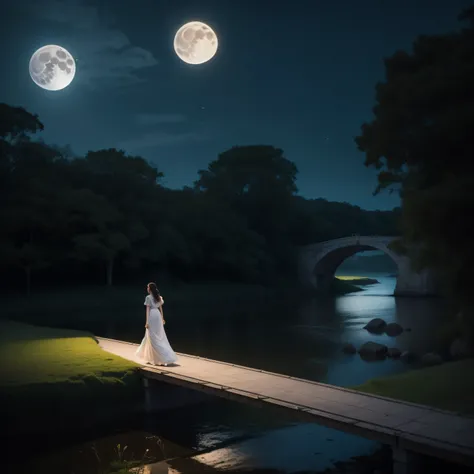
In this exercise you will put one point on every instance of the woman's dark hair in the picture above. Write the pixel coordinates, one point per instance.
(154, 292)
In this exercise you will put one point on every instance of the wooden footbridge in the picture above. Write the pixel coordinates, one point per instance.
(408, 428)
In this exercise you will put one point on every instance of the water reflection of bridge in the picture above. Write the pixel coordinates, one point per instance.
(411, 430)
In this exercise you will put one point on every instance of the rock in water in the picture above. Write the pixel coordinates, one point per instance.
(349, 348)
(393, 329)
(373, 350)
(431, 358)
(394, 353)
(376, 325)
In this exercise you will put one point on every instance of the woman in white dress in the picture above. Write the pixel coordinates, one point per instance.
(155, 348)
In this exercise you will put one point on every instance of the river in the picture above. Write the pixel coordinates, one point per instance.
(299, 338)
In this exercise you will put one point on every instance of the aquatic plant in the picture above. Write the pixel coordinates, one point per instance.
(122, 465)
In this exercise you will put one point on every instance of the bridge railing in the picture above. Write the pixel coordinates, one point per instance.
(342, 239)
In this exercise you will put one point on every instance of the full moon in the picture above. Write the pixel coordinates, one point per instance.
(52, 67)
(195, 43)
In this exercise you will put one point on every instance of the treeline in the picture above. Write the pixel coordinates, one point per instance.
(105, 216)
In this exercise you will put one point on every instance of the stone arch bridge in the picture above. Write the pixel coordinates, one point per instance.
(318, 264)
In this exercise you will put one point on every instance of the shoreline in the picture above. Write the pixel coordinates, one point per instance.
(358, 281)
(100, 300)
(417, 386)
(356, 465)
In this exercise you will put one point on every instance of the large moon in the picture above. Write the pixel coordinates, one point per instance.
(52, 67)
(195, 43)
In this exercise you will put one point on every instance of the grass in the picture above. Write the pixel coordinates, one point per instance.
(342, 287)
(122, 465)
(449, 386)
(38, 355)
(46, 370)
(357, 280)
(350, 277)
(354, 279)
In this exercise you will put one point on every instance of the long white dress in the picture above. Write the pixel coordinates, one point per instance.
(155, 348)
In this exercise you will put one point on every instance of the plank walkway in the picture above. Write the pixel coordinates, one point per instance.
(406, 426)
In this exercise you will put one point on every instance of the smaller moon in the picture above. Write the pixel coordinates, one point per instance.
(195, 43)
(52, 67)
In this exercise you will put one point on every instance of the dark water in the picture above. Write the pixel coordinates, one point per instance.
(300, 338)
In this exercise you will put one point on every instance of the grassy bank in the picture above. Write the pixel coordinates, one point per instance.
(47, 373)
(357, 280)
(343, 287)
(448, 387)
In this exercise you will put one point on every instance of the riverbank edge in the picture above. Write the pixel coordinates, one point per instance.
(104, 302)
(39, 400)
(380, 459)
(49, 375)
(448, 386)
(358, 281)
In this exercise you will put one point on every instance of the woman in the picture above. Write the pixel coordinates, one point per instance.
(155, 348)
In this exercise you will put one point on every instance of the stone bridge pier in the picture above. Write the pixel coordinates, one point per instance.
(318, 264)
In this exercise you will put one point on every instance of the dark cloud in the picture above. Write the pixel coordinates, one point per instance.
(104, 52)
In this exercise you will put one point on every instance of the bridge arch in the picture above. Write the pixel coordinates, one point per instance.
(318, 264)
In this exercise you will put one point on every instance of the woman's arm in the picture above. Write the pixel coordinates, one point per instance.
(147, 314)
(162, 301)
(162, 314)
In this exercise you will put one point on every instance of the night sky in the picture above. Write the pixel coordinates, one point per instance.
(296, 74)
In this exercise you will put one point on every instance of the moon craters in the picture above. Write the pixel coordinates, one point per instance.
(52, 67)
(188, 35)
(195, 43)
(44, 57)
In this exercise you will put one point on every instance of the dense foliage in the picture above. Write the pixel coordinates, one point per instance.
(106, 215)
(422, 141)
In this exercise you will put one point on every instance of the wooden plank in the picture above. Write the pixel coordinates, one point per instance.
(406, 425)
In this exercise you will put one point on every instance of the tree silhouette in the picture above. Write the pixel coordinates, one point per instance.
(421, 142)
